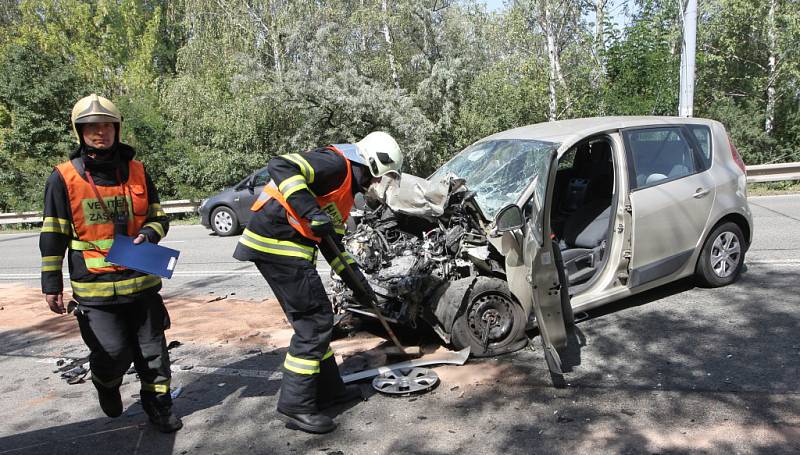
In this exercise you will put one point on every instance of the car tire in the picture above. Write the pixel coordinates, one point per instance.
(489, 299)
(224, 221)
(722, 257)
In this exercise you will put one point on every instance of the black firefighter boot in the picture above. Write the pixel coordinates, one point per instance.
(331, 390)
(110, 400)
(158, 407)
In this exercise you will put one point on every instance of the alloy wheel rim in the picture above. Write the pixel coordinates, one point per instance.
(726, 253)
(223, 221)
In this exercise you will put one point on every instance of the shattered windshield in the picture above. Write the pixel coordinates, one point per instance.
(499, 171)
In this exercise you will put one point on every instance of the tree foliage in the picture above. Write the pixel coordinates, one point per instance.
(211, 89)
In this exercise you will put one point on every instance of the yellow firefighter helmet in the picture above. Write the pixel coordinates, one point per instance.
(95, 109)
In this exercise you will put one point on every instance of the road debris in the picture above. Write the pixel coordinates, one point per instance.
(75, 375)
(447, 357)
(405, 381)
(173, 344)
(218, 298)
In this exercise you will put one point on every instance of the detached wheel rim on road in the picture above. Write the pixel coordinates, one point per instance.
(726, 252)
(223, 221)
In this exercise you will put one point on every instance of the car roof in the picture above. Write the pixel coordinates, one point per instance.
(563, 131)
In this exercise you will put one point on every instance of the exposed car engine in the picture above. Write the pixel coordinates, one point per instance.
(408, 257)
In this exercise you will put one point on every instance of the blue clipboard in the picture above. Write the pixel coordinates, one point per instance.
(145, 257)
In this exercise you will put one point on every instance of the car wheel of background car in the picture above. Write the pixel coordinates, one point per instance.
(224, 221)
(722, 257)
(492, 322)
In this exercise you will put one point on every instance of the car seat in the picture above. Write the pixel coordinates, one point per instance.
(584, 242)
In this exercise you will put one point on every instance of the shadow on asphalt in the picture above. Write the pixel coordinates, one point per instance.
(738, 353)
(736, 350)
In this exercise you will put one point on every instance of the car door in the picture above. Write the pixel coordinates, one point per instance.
(671, 196)
(531, 266)
(247, 194)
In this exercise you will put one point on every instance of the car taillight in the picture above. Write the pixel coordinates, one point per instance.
(736, 157)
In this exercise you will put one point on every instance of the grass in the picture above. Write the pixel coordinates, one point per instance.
(773, 188)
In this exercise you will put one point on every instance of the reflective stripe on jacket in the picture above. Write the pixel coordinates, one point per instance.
(93, 227)
(337, 204)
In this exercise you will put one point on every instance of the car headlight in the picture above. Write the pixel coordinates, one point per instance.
(203, 203)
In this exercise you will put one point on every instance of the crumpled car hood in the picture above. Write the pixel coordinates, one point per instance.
(415, 196)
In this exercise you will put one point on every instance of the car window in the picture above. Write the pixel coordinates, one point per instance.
(702, 134)
(658, 155)
(500, 170)
(261, 178)
(567, 160)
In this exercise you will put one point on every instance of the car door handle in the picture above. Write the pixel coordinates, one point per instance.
(700, 192)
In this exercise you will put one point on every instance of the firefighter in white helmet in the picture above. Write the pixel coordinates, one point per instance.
(310, 196)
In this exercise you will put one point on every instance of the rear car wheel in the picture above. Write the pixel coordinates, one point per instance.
(492, 322)
(722, 257)
(224, 221)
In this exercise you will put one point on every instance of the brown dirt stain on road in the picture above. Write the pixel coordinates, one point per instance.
(199, 319)
(211, 321)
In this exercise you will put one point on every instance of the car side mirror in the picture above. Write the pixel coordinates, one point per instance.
(251, 183)
(509, 218)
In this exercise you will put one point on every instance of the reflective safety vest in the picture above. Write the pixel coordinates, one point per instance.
(337, 204)
(93, 225)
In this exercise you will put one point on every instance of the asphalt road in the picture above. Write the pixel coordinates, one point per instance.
(675, 370)
(205, 266)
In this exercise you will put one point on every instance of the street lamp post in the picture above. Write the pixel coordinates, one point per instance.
(685, 107)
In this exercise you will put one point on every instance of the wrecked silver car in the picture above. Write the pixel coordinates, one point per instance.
(535, 223)
(427, 254)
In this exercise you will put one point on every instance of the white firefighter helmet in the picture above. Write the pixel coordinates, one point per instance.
(381, 153)
(95, 109)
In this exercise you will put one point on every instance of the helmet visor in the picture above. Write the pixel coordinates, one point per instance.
(97, 118)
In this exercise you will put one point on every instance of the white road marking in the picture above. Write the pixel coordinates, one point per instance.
(234, 372)
(180, 273)
(176, 368)
(773, 261)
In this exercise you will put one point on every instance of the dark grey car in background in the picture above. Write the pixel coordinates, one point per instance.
(228, 211)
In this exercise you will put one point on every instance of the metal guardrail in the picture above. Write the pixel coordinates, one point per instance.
(773, 172)
(755, 174)
(179, 206)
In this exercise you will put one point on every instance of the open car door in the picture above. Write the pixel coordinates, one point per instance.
(532, 264)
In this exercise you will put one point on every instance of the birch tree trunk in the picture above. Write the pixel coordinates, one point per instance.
(552, 55)
(389, 50)
(769, 114)
(599, 32)
(275, 40)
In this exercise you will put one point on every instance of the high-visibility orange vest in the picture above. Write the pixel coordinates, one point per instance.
(93, 228)
(337, 204)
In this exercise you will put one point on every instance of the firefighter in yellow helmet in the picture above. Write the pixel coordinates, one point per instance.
(310, 196)
(99, 192)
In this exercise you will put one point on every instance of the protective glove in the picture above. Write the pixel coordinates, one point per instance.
(321, 224)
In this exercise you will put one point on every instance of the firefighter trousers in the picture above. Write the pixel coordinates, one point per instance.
(310, 373)
(119, 334)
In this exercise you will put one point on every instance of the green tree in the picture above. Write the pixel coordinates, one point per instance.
(37, 92)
